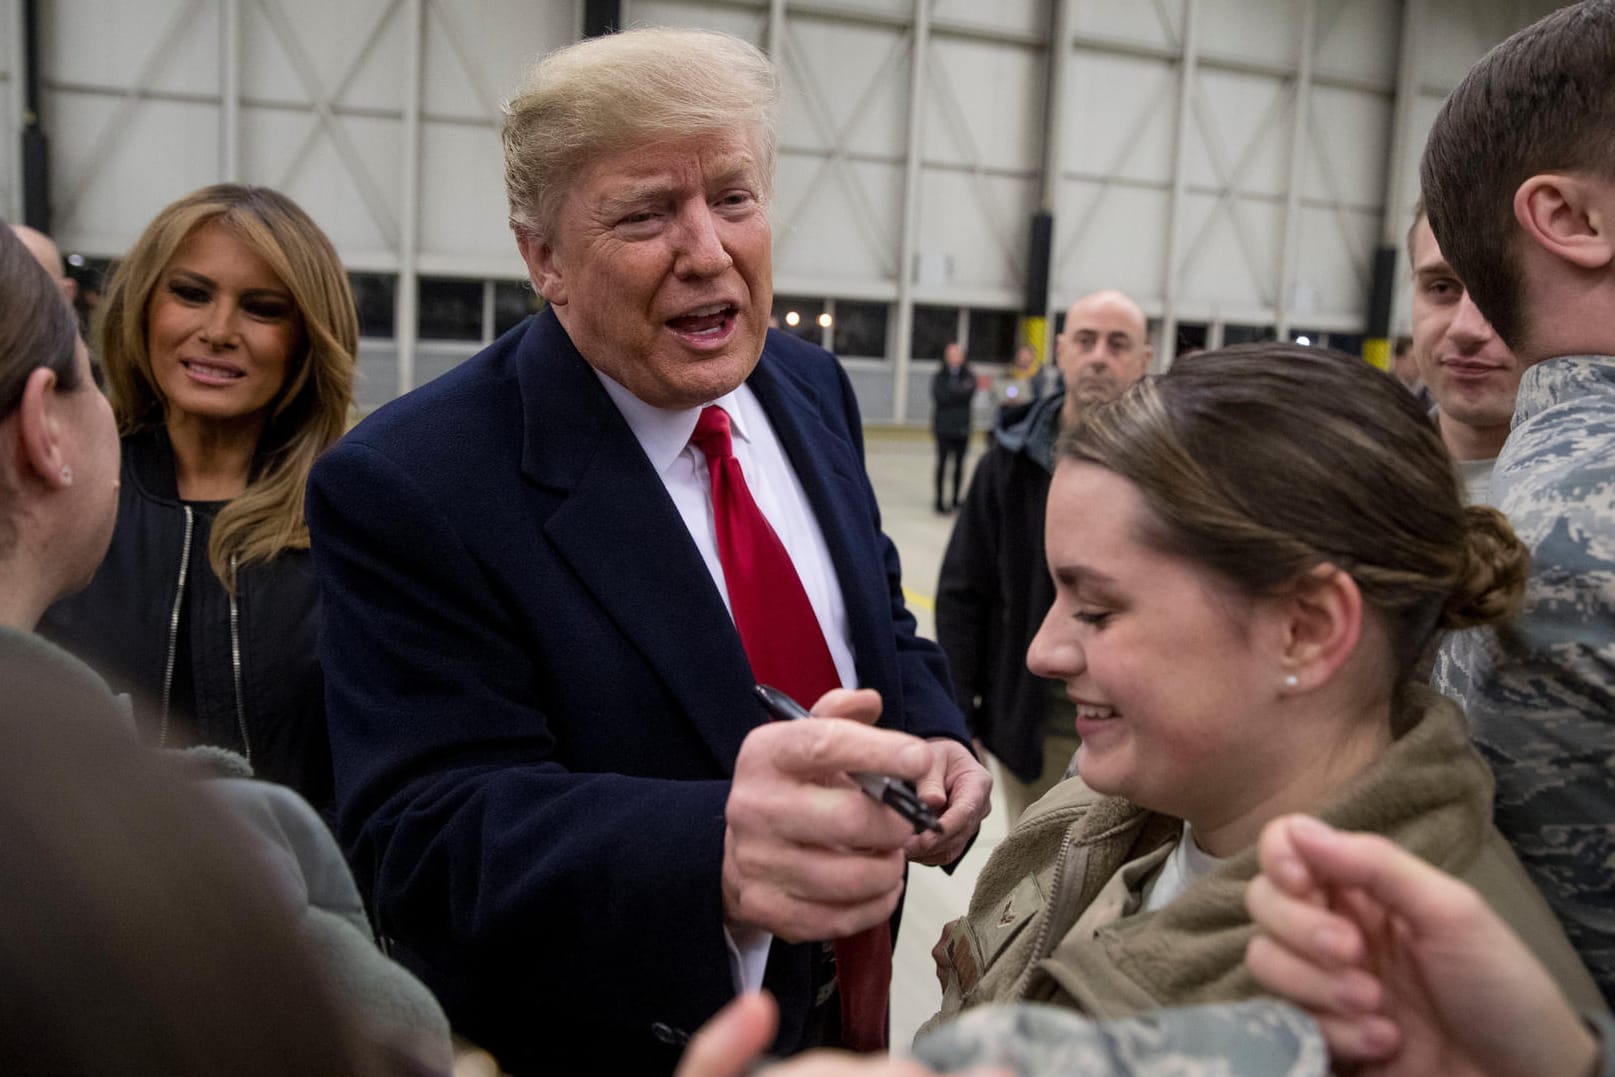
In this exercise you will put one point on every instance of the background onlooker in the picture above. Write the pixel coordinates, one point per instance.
(994, 584)
(1025, 380)
(953, 387)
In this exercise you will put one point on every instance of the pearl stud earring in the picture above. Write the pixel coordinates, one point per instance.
(1292, 681)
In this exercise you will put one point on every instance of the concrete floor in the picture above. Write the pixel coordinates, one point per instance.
(901, 465)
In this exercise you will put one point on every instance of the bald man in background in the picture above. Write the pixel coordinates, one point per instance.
(994, 589)
(45, 252)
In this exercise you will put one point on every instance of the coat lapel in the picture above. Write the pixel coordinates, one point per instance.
(620, 534)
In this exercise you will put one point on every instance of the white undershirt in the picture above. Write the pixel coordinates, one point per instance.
(664, 435)
(1186, 864)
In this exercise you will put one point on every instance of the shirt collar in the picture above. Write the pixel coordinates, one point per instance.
(664, 433)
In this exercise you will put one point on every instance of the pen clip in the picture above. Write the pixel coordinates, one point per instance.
(778, 703)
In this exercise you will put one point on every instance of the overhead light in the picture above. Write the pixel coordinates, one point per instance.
(1303, 341)
(824, 320)
(792, 318)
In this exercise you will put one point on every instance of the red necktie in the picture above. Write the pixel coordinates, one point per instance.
(787, 650)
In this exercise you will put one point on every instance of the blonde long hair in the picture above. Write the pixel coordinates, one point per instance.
(312, 409)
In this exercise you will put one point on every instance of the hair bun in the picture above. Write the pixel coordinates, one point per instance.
(1491, 582)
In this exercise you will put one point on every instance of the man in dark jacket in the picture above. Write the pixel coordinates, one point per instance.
(952, 389)
(994, 589)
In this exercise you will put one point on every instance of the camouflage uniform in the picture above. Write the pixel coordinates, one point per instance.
(1248, 1039)
(1540, 692)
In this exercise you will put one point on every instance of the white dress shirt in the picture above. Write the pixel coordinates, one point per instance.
(664, 435)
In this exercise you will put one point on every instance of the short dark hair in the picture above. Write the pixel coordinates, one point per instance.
(1544, 100)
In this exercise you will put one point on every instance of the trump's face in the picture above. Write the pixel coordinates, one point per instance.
(659, 266)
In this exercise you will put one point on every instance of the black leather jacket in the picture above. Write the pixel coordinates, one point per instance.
(202, 667)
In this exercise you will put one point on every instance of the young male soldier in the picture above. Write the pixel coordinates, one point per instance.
(1519, 183)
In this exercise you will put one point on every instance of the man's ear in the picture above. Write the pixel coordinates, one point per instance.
(39, 432)
(542, 268)
(1323, 622)
(1569, 216)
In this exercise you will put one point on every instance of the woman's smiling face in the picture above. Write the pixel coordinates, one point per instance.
(221, 328)
(1170, 668)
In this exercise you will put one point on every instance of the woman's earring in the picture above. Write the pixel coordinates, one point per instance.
(1292, 681)
(67, 475)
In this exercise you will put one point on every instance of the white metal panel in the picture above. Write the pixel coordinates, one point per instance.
(321, 184)
(372, 59)
(1237, 263)
(165, 149)
(1120, 247)
(1261, 30)
(475, 58)
(985, 104)
(843, 128)
(324, 32)
(108, 42)
(1118, 115)
(451, 85)
(1240, 132)
(1359, 39)
(1350, 132)
(478, 50)
(819, 235)
(897, 8)
(730, 18)
(1157, 23)
(1333, 270)
(1020, 16)
(463, 202)
(985, 247)
(849, 77)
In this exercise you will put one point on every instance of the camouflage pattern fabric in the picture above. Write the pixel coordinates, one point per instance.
(1540, 692)
(1248, 1039)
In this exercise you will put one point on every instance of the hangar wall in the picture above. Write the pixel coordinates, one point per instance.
(1231, 163)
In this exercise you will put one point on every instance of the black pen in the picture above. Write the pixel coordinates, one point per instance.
(896, 793)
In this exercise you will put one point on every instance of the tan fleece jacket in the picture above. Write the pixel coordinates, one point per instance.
(1430, 792)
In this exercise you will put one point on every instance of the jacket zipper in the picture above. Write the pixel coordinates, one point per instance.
(235, 664)
(173, 627)
(1056, 885)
